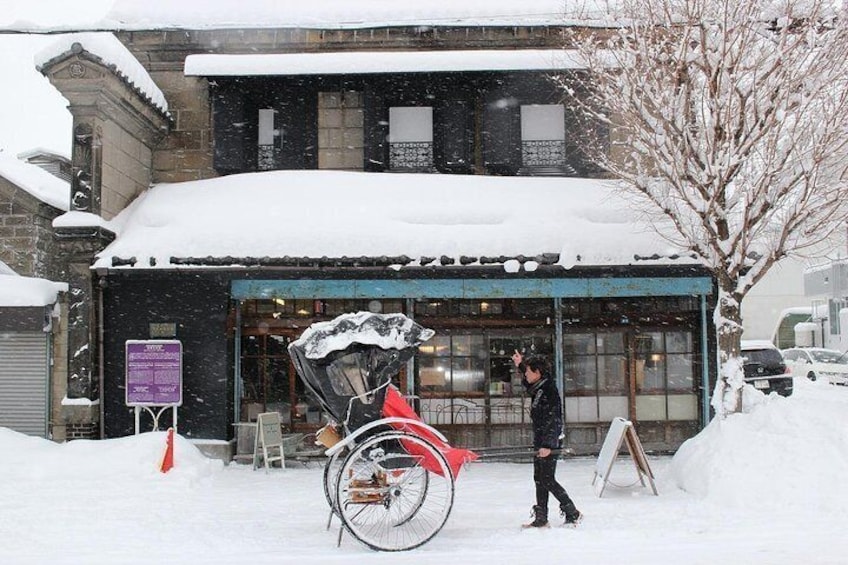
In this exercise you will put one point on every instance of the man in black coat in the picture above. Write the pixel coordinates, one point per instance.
(546, 414)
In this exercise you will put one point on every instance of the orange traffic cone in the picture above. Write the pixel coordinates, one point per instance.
(168, 457)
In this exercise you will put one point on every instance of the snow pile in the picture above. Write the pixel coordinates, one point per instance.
(122, 460)
(784, 455)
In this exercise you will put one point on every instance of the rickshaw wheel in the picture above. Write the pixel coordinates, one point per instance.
(389, 496)
(331, 476)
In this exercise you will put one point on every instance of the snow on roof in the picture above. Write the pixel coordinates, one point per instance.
(6, 269)
(57, 15)
(381, 62)
(79, 219)
(318, 214)
(36, 181)
(42, 152)
(18, 291)
(113, 54)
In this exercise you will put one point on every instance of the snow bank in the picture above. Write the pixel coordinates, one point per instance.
(784, 455)
(118, 460)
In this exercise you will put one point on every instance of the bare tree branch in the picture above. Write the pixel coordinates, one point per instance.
(730, 118)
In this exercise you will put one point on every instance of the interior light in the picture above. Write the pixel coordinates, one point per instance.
(280, 301)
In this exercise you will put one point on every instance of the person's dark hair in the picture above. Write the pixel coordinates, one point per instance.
(537, 363)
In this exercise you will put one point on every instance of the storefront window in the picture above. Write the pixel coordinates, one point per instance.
(265, 376)
(595, 376)
(665, 376)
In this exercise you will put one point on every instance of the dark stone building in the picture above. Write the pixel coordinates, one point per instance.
(628, 339)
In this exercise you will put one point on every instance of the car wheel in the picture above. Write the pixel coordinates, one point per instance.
(811, 375)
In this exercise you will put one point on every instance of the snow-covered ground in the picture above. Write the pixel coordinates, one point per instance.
(764, 487)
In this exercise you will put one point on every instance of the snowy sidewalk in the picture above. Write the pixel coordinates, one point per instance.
(777, 497)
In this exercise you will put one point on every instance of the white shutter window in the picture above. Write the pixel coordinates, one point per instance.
(410, 124)
(266, 126)
(543, 136)
(410, 138)
(543, 122)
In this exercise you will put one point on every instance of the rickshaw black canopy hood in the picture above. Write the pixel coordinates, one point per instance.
(355, 356)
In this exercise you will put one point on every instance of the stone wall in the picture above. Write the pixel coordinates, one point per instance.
(186, 154)
(126, 169)
(26, 233)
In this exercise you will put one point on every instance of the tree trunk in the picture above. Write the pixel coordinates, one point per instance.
(728, 392)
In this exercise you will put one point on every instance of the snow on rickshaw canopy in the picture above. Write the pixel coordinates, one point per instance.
(387, 331)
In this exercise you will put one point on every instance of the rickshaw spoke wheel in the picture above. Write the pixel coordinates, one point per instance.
(394, 491)
(331, 475)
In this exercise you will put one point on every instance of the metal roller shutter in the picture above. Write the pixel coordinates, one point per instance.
(24, 382)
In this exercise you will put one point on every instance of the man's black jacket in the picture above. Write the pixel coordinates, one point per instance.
(546, 413)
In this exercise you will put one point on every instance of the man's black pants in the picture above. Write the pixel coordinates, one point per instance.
(544, 475)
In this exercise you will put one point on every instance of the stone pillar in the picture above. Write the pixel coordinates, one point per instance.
(86, 162)
(116, 127)
(81, 411)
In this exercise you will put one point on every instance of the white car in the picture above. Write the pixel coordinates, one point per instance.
(816, 362)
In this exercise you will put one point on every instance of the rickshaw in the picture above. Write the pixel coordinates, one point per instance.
(389, 476)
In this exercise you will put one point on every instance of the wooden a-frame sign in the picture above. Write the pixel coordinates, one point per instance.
(621, 431)
(268, 444)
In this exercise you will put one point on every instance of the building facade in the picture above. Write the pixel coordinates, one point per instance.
(629, 340)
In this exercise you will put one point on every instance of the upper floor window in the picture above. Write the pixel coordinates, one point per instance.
(543, 135)
(411, 138)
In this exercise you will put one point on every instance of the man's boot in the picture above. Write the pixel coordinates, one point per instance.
(540, 518)
(570, 514)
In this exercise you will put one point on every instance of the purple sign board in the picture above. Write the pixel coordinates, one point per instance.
(154, 372)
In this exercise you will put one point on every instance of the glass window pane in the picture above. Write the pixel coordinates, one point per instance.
(610, 342)
(468, 375)
(611, 407)
(650, 375)
(578, 344)
(251, 380)
(580, 374)
(438, 345)
(650, 408)
(612, 374)
(648, 343)
(581, 409)
(680, 372)
(277, 386)
(434, 374)
(682, 407)
(462, 345)
(250, 345)
(276, 345)
(678, 342)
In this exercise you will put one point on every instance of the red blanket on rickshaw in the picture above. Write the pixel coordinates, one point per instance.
(396, 406)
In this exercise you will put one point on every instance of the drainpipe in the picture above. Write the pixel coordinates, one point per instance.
(705, 371)
(237, 366)
(101, 364)
(410, 364)
(48, 429)
(558, 358)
